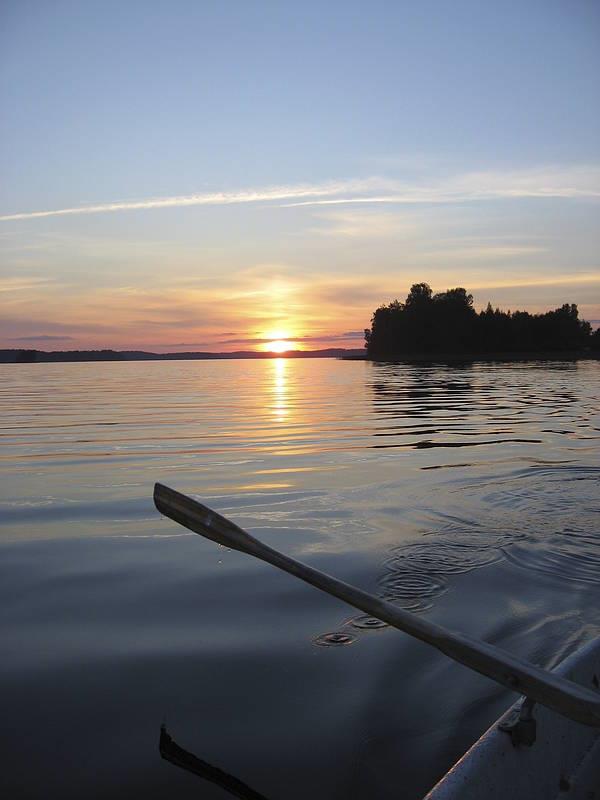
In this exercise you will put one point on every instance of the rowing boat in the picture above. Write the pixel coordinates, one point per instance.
(546, 747)
(562, 763)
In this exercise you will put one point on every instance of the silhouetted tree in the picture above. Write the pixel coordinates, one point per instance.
(419, 297)
(448, 323)
(455, 316)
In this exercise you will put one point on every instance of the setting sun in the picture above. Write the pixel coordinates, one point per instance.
(278, 340)
(279, 346)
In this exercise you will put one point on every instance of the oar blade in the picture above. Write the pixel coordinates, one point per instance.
(201, 519)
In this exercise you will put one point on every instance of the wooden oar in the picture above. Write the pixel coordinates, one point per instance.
(561, 695)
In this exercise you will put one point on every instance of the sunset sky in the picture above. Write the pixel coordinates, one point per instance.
(218, 175)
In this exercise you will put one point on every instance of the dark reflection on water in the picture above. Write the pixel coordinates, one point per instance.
(503, 523)
(482, 514)
(177, 755)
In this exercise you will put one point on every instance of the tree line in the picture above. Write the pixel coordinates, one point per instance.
(447, 323)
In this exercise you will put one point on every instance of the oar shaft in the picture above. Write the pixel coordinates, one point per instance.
(565, 697)
(491, 661)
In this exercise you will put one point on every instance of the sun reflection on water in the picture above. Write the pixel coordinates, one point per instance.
(280, 389)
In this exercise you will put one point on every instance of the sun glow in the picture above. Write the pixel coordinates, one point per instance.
(279, 346)
(279, 340)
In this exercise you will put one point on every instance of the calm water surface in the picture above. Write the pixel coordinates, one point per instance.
(469, 494)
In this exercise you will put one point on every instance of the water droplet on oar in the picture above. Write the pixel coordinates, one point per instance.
(366, 622)
(335, 639)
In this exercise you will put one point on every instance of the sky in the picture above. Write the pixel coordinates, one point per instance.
(218, 175)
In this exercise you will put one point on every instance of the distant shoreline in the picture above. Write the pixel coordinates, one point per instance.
(28, 356)
(95, 356)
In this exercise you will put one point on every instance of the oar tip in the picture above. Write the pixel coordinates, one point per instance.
(162, 496)
(199, 518)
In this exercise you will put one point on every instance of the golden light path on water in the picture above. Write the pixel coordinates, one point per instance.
(280, 389)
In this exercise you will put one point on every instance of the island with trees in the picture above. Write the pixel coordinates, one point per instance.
(447, 324)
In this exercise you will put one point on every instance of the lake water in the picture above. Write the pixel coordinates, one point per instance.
(466, 493)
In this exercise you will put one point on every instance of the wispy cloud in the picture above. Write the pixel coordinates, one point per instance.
(585, 278)
(21, 284)
(183, 344)
(483, 253)
(44, 337)
(364, 224)
(579, 181)
(306, 339)
(549, 182)
(264, 194)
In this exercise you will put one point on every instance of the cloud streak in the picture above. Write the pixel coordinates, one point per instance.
(24, 284)
(44, 337)
(261, 195)
(579, 181)
(305, 339)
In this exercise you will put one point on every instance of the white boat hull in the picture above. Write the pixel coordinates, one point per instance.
(563, 763)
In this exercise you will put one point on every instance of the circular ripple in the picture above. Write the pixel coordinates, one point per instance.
(335, 639)
(413, 591)
(368, 623)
